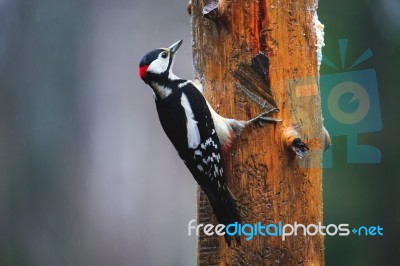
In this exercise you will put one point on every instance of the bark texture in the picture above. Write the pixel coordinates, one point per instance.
(271, 183)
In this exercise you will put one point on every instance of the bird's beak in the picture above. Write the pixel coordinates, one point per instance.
(174, 47)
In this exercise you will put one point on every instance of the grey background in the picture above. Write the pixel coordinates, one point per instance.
(87, 175)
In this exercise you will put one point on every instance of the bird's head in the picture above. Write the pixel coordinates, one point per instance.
(156, 65)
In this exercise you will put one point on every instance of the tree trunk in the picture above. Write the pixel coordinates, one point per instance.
(271, 183)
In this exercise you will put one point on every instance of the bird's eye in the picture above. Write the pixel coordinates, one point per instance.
(164, 54)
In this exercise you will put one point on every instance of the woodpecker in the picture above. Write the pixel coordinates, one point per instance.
(201, 137)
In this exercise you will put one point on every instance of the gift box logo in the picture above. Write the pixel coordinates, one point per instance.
(350, 105)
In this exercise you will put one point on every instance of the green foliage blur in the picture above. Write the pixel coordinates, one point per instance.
(365, 194)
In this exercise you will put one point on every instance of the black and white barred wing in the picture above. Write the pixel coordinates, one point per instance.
(207, 164)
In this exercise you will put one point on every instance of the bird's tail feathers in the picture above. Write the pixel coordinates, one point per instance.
(226, 209)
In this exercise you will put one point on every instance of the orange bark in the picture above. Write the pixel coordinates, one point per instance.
(271, 183)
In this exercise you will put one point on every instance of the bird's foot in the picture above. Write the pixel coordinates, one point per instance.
(265, 118)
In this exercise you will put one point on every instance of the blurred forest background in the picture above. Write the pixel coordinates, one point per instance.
(87, 177)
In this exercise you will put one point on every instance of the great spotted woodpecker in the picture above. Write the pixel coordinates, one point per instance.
(201, 136)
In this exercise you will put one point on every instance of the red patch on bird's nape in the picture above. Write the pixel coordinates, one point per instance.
(143, 71)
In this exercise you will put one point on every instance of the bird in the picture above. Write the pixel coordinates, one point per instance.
(202, 138)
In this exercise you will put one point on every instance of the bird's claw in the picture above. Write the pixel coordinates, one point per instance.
(264, 117)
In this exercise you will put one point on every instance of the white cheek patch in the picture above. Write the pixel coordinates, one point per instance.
(193, 134)
(158, 66)
(171, 75)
